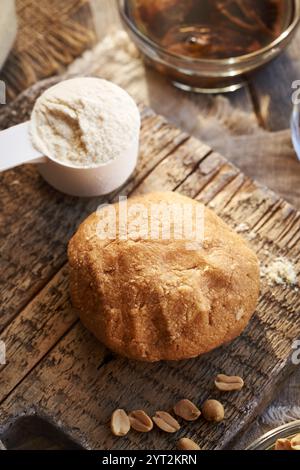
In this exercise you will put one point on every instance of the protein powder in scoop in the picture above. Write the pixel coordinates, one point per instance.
(84, 122)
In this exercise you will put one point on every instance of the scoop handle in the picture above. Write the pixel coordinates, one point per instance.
(16, 147)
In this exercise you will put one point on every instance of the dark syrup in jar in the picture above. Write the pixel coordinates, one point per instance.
(209, 29)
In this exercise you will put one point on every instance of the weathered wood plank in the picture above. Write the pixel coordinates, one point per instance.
(177, 157)
(77, 368)
(172, 171)
(63, 385)
(33, 333)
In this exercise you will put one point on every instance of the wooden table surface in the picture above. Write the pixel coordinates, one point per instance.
(267, 99)
(56, 368)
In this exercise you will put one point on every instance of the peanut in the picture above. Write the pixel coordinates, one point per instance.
(187, 410)
(295, 442)
(227, 383)
(120, 424)
(166, 422)
(187, 444)
(140, 421)
(283, 444)
(213, 410)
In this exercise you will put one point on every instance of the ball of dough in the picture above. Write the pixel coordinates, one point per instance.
(159, 299)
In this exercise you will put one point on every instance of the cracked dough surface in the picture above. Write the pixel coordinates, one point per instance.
(157, 300)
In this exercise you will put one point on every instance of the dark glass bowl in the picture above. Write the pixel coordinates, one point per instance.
(295, 129)
(210, 75)
(267, 441)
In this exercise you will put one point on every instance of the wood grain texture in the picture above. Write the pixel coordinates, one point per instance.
(30, 336)
(57, 370)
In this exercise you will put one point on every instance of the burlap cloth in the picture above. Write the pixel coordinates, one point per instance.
(50, 35)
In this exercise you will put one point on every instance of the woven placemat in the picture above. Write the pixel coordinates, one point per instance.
(50, 35)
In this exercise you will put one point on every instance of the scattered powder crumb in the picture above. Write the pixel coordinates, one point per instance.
(239, 314)
(245, 197)
(242, 228)
(246, 229)
(251, 235)
(280, 271)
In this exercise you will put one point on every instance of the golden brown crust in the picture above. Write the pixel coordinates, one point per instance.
(156, 300)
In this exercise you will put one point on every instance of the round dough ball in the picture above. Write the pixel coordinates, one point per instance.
(157, 299)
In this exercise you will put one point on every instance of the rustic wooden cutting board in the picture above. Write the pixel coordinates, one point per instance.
(57, 370)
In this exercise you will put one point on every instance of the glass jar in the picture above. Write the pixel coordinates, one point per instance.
(203, 74)
(8, 28)
(268, 440)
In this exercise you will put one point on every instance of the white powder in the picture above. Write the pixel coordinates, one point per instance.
(84, 122)
(280, 271)
(241, 228)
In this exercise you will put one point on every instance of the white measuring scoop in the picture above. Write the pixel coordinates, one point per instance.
(16, 149)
